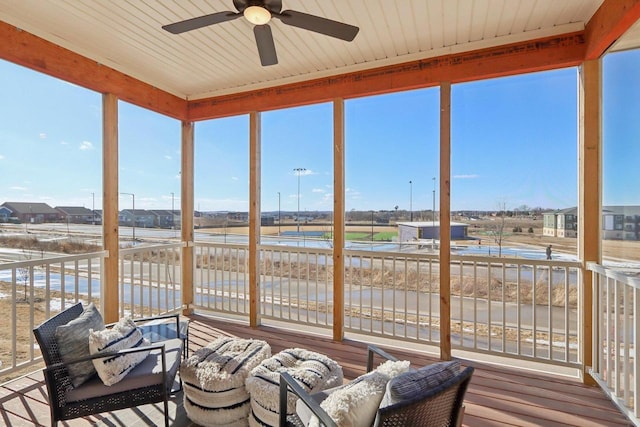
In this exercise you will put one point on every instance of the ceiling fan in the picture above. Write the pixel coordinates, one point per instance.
(259, 13)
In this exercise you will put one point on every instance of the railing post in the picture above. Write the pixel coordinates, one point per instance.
(110, 283)
(589, 196)
(445, 218)
(187, 263)
(254, 219)
(338, 219)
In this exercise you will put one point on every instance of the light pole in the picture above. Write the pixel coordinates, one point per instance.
(433, 213)
(173, 218)
(93, 208)
(133, 211)
(278, 213)
(372, 226)
(298, 172)
(411, 200)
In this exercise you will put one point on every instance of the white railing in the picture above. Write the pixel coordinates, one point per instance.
(518, 308)
(616, 333)
(150, 278)
(494, 306)
(221, 278)
(31, 291)
(296, 284)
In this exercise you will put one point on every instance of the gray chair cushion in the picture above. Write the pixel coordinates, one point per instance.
(147, 373)
(73, 343)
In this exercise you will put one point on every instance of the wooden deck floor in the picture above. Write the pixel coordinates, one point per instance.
(497, 396)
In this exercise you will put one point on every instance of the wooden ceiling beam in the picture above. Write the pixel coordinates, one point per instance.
(608, 24)
(517, 58)
(30, 51)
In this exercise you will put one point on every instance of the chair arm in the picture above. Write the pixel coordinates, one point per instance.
(60, 365)
(147, 319)
(373, 350)
(288, 384)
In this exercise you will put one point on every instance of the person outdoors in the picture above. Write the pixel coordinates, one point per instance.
(549, 252)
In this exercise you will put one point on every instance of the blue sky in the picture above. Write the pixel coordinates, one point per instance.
(514, 144)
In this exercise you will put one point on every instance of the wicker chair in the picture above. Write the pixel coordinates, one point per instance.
(149, 382)
(441, 406)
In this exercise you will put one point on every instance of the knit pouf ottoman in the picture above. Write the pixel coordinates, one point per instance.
(214, 381)
(313, 371)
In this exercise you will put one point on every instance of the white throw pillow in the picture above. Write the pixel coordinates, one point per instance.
(123, 335)
(356, 404)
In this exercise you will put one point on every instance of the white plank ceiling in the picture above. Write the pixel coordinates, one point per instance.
(220, 59)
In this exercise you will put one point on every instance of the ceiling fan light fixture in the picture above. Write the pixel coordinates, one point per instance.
(257, 15)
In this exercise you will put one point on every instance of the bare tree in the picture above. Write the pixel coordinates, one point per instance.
(497, 231)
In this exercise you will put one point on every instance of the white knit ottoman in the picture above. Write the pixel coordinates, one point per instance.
(214, 378)
(314, 372)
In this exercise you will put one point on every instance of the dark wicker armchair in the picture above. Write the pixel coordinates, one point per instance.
(149, 382)
(441, 406)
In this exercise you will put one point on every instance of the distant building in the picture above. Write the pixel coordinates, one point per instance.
(618, 223)
(561, 223)
(5, 214)
(75, 214)
(267, 220)
(416, 231)
(34, 213)
(163, 218)
(143, 218)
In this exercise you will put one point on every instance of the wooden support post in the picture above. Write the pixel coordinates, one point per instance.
(254, 219)
(110, 236)
(186, 215)
(589, 197)
(338, 219)
(445, 220)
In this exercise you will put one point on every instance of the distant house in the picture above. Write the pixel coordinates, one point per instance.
(139, 218)
(164, 218)
(420, 230)
(34, 213)
(75, 214)
(561, 223)
(5, 214)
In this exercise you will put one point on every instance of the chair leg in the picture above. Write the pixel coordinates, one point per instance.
(166, 412)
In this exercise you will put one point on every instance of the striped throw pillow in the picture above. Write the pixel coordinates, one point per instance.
(123, 335)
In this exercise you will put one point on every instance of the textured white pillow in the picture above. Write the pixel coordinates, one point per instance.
(356, 404)
(123, 335)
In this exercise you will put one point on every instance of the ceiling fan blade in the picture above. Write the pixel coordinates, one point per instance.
(199, 22)
(266, 46)
(318, 24)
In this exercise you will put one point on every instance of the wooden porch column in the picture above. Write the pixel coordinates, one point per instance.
(254, 219)
(445, 220)
(186, 215)
(338, 219)
(110, 237)
(589, 196)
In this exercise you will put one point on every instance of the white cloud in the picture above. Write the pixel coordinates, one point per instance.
(1, 157)
(43, 135)
(86, 145)
(467, 176)
(317, 190)
(64, 143)
(18, 188)
(234, 178)
(168, 157)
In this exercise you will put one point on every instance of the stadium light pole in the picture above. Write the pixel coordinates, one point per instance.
(411, 201)
(298, 172)
(433, 213)
(133, 209)
(93, 208)
(278, 213)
